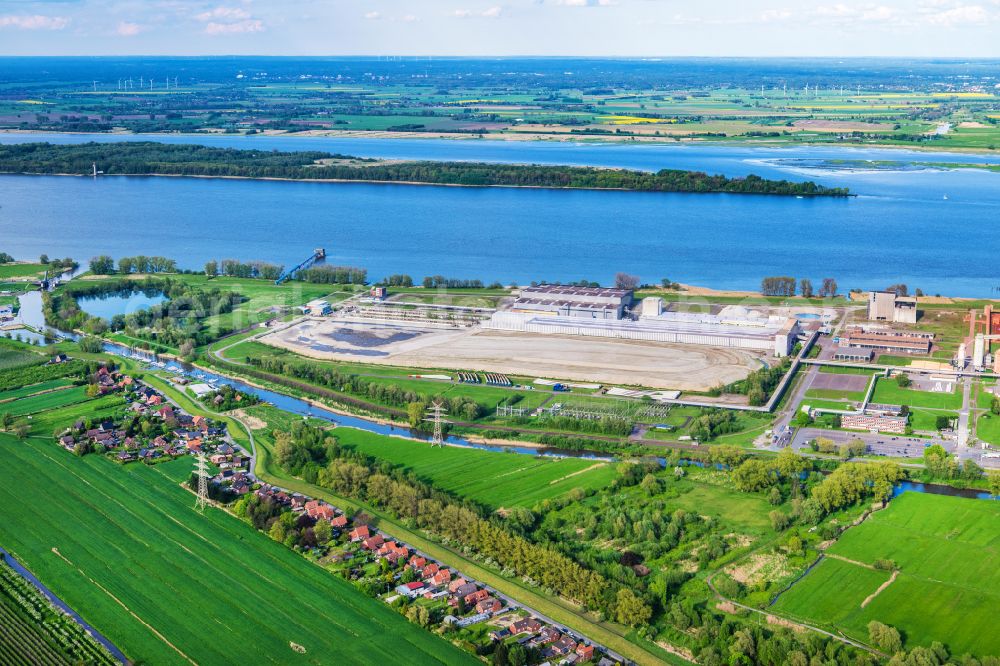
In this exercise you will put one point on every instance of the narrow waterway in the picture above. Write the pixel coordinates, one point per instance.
(299, 406)
(62, 605)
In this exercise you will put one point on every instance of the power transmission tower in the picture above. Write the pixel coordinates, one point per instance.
(434, 413)
(201, 469)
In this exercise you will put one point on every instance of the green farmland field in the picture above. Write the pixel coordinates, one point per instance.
(44, 401)
(33, 389)
(948, 587)
(494, 479)
(169, 585)
(15, 358)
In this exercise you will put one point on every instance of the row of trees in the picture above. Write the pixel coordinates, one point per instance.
(105, 265)
(241, 269)
(759, 384)
(327, 274)
(148, 158)
(352, 474)
(442, 282)
(785, 286)
(378, 392)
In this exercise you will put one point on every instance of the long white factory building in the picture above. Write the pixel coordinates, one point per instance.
(775, 335)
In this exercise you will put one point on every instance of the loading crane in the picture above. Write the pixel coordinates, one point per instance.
(318, 255)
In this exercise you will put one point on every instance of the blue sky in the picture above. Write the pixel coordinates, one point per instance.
(963, 28)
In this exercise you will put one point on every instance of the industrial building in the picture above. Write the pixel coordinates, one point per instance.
(317, 308)
(877, 418)
(853, 354)
(887, 340)
(550, 300)
(773, 335)
(887, 306)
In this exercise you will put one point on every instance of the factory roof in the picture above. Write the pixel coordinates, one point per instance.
(556, 290)
(522, 302)
(679, 323)
(898, 341)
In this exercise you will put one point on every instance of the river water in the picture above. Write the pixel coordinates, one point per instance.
(927, 227)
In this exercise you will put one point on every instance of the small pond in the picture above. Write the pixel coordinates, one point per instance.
(107, 306)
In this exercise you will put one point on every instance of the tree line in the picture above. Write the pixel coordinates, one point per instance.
(149, 158)
(348, 473)
(786, 286)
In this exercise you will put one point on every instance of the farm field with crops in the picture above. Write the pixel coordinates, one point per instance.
(125, 548)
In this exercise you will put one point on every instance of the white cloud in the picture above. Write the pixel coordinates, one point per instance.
(229, 14)
(33, 22)
(775, 15)
(961, 15)
(586, 3)
(237, 28)
(373, 16)
(492, 12)
(128, 29)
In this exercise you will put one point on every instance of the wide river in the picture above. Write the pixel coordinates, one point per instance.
(930, 228)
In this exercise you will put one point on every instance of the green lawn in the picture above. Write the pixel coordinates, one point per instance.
(212, 587)
(21, 270)
(948, 588)
(494, 479)
(887, 391)
(833, 590)
(988, 428)
(833, 394)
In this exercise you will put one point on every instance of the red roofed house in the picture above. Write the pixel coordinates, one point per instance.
(584, 652)
(442, 577)
(339, 521)
(193, 445)
(359, 533)
(430, 570)
(373, 542)
(457, 583)
(476, 597)
(417, 562)
(489, 605)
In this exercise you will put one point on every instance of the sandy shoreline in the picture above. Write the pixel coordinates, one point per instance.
(550, 137)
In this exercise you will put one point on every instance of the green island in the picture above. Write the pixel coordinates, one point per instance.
(144, 158)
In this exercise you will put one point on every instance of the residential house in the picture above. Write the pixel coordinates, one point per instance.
(489, 605)
(455, 584)
(547, 635)
(339, 522)
(561, 647)
(499, 634)
(359, 533)
(410, 589)
(373, 542)
(584, 652)
(442, 577)
(474, 598)
(528, 625)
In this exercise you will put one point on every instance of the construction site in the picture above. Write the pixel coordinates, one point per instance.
(568, 333)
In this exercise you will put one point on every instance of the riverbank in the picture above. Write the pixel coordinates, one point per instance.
(536, 137)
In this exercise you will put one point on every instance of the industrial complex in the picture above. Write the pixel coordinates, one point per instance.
(605, 313)
(890, 307)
